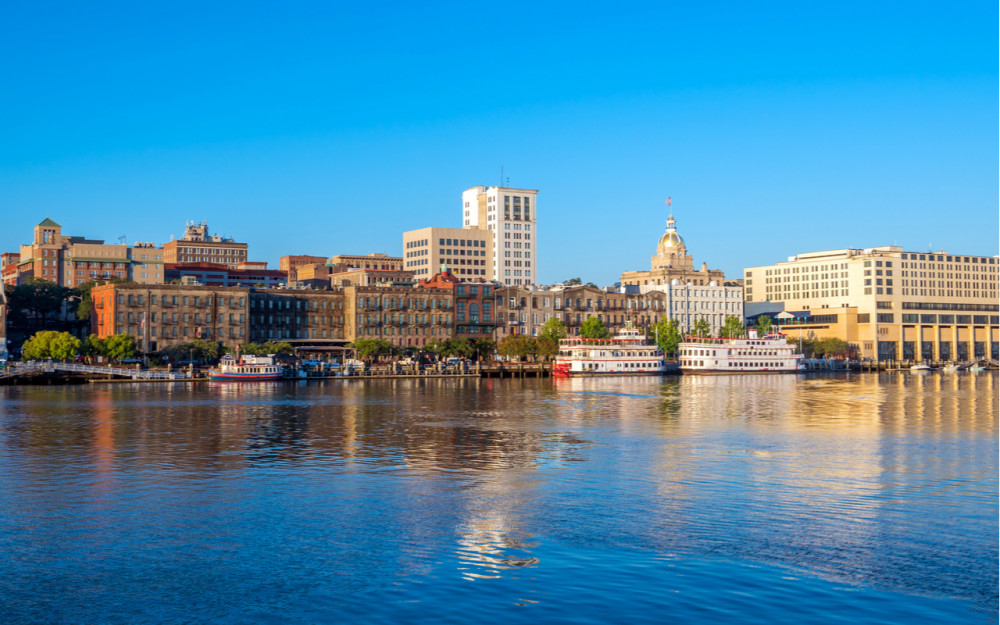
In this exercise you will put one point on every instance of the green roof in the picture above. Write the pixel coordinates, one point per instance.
(49, 222)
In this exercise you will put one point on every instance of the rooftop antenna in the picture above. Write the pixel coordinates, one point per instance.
(121, 240)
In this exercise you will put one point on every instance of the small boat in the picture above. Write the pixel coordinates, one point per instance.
(920, 367)
(950, 368)
(977, 368)
(246, 369)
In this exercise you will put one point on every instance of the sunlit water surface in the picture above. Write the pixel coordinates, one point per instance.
(740, 499)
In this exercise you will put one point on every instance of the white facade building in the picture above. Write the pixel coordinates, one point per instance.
(689, 302)
(512, 216)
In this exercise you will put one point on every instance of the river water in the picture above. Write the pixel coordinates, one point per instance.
(866, 498)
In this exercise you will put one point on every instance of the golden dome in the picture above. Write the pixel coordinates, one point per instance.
(670, 240)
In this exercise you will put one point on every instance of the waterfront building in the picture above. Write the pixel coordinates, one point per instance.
(404, 316)
(712, 302)
(525, 311)
(218, 274)
(166, 315)
(197, 245)
(474, 304)
(71, 260)
(672, 262)
(290, 264)
(467, 252)
(511, 216)
(887, 303)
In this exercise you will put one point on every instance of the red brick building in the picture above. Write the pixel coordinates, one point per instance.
(474, 317)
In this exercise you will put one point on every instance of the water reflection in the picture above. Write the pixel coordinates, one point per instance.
(875, 480)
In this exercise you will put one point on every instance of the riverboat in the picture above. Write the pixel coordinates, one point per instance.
(626, 353)
(246, 369)
(749, 354)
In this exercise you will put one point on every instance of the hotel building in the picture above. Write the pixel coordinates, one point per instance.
(511, 217)
(465, 252)
(889, 304)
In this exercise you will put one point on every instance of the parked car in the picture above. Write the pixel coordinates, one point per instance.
(130, 361)
(186, 363)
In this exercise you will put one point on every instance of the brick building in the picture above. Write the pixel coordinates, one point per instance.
(217, 274)
(474, 304)
(291, 264)
(162, 316)
(406, 317)
(523, 311)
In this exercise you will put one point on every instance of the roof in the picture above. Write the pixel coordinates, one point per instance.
(49, 222)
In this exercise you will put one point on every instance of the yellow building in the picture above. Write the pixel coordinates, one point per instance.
(467, 252)
(889, 304)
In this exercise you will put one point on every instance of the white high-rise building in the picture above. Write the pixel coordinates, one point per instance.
(512, 216)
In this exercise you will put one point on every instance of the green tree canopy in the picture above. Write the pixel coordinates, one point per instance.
(573, 282)
(483, 347)
(517, 346)
(459, 347)
(764, 325)
(120, 346)
(554, 329)
(369, 349)
(593, 328)
(731, 328)
(94, 346)
(547, 348)
(36, 299)
(701, 328)
(667, 334)
(50, 344)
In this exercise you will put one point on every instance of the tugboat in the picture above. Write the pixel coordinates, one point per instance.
(246, 369)
(627, 353)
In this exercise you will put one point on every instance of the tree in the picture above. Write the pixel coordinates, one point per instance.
(667, 335)
(832, 347)
(120, 346)
(459, 346)
(593, 328)
(764, 325)
(731, 328)
(483, 347)
(436, 347)
(573, 282)
(94, 346)
(65, 346)
(50, 344)
(36, 298)
(368, 349)
(701, 328)
(547, 348)
(518, 346)
(39, 346)
(554, 329)
(592, 285)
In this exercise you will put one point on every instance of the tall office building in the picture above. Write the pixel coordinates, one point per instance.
(511, 215)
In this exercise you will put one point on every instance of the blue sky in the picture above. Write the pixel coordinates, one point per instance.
(315, 128)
